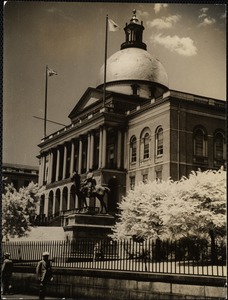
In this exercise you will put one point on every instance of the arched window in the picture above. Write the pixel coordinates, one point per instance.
(146, 146)
(133, 149)
(200, 142)
(159, 142)
(219, 146)
(50, 203)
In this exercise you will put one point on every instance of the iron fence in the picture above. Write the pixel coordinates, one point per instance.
(153, 256)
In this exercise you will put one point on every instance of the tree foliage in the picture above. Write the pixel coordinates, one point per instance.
(192, 207)
(17, 208)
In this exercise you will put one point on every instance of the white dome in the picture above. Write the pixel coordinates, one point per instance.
(134, 64)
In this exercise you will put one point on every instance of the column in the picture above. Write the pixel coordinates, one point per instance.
(80, 157)
(45, 169)
(53, 208)
(91, 149)
(68, 200)
(100, 150)
(46, 203)
(119, 146)
(88, 153)
(61, 201)
(104, 146)
(64, 161)
(57, 165)
(50, 163)
(72, 158)
(126, 146)
(42, 169)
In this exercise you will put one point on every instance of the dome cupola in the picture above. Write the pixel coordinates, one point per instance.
(134, 34)
(132, 70)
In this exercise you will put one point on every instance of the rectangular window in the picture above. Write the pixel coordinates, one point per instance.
(133, 148)
(133, 155)
(26, 182)
(15, 183)
(111, 156)
(158, 175)
(146, 151)
(160, 145)
(199, 146)
(132, 182)
(159, 142)
(145, 178)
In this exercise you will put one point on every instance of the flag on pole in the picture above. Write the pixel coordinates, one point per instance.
(112, 26)
(51, 72)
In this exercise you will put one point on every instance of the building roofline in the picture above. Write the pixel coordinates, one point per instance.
(169, 94)
(176, 92)
(19, 166)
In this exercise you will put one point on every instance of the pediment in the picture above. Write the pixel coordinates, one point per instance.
(87, 101)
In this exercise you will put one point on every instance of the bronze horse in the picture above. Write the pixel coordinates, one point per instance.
(96, 191)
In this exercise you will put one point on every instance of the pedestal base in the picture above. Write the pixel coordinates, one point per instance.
(87, 226)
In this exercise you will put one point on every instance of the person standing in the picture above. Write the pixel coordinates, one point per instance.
(44, 274)
(7, 271)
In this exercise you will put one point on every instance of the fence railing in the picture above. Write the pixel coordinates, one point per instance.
(153, 256)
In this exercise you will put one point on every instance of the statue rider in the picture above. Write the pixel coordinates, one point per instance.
(76, 178)
(91, 182)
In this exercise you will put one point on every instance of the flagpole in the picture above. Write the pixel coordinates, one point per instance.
(45, 107)
(105, 60)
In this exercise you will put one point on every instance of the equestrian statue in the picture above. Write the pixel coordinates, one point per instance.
(88, 188)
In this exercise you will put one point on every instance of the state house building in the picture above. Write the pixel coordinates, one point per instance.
(141, 131)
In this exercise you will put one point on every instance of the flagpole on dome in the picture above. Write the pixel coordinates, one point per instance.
(49, 72)
(109, 26)
(105, 60)
(45, 106)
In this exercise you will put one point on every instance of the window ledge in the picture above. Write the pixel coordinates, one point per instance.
(146, 160)
(200, 159)
(158, 158)
(219, 162)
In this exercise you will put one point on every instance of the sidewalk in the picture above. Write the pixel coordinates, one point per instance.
(28, 297)
(35, 297)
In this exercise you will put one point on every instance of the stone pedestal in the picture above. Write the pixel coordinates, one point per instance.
(88, 226)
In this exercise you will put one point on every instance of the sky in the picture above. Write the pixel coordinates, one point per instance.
(69, 37)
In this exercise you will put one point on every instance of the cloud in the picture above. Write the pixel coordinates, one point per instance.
(158, 7)
(203, 15)
(183, 46)
(141, 13)
(165, 22)
(204, 9)
(207, 21)
(60, 13)
(223, 16)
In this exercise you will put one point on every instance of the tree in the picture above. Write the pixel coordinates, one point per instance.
(193, 207)
(199, 207)
(141, 214)
(17, 208)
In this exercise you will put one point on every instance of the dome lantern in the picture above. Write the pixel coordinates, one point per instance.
(134, 34)
(132, 70)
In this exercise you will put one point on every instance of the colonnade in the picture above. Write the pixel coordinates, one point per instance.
(84, 152)
(59, 199)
